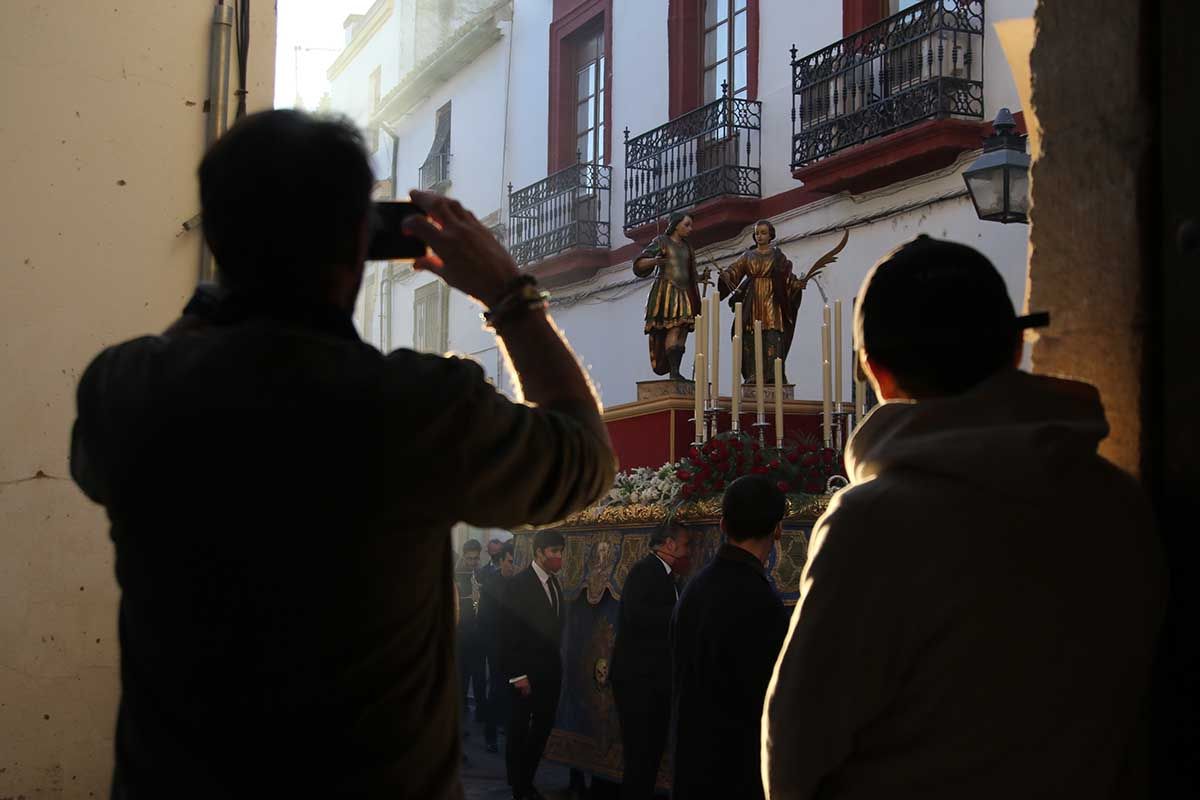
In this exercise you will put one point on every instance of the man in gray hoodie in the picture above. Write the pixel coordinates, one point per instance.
(978, 613)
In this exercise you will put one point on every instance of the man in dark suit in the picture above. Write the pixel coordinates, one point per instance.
(641, 659)
(726, 633)
(491, 591)
(531, 660)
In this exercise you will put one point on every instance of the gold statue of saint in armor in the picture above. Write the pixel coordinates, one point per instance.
(674, 299)
(762, 280)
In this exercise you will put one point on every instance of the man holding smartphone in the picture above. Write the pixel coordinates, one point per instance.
(281, 494)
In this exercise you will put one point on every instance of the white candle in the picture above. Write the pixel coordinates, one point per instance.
(698, 404)
(779, 402)
(737, 322)
(827, 411)
(715, 348)
(837, 354)
(735, 394)
(758, 371)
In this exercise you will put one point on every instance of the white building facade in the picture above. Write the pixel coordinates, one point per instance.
(866, 126)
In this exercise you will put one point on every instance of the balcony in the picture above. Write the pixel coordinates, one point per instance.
(894, 100)
(435, 173)
(712, 152)
(566, 213)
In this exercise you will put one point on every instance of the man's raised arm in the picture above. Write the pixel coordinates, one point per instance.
(532, 465)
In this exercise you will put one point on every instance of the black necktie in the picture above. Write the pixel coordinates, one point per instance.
(554, 594)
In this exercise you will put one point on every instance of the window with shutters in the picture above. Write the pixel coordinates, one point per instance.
(581, 70)
(435, 171)
(431, 313)
(726, 48)
(709, 43)
(589, 94)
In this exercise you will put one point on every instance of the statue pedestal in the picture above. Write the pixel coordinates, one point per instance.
(654, 430)
(750, 395)
(656, 390)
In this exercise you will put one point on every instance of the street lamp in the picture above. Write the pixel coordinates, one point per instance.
(998, 181)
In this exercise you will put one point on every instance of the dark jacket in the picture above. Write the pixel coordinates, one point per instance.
(530, 632)
(468, 608)
(725, 636)
(491, 589)
(281, 496)
(642, 653)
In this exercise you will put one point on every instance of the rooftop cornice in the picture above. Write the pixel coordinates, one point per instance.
(376, 16)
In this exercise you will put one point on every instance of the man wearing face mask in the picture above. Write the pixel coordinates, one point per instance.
(725, 635)
(641, 659)
(531, 623)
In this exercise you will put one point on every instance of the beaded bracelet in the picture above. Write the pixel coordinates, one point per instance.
(521, 297)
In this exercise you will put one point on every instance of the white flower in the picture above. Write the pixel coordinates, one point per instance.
(635, 498)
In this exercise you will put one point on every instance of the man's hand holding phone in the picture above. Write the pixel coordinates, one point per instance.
(462, 251)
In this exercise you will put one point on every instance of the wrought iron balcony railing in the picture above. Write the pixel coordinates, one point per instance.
(711, 152)
(435, 172)
(924, 63)
(567, 210)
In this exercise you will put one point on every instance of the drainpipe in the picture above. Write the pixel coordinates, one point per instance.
(218, 101)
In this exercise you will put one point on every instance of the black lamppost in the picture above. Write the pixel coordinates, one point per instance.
(998, 181)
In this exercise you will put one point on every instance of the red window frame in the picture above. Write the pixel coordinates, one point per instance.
(571, 17)
(685, 54)
(858, 14)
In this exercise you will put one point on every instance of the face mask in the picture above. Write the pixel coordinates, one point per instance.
(553, 563)
(682, 565)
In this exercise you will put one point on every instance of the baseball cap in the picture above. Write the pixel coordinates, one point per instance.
(938, 312)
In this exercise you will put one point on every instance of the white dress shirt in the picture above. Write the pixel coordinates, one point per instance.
(544, 577)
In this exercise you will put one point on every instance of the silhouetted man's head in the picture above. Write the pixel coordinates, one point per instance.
(752, 508)
(285, 198)
(933, 318)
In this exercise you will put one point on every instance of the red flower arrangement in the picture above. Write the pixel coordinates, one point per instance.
(800, 467)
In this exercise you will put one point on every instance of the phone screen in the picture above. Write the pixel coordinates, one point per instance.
(388, 242)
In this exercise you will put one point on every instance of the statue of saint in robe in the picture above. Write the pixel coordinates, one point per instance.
(762, 280)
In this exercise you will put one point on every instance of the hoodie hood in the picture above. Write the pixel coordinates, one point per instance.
(1015, 434)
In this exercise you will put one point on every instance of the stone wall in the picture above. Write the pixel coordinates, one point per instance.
(1087, 238)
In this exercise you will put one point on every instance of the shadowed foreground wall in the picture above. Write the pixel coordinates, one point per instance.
(103, 127)
(1088, 236)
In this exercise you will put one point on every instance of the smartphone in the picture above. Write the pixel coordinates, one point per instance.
(388, 241)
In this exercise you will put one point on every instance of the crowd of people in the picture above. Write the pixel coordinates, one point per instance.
(977, 614)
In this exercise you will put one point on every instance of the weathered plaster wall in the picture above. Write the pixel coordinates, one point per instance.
(1087, 231)
(102, 130)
